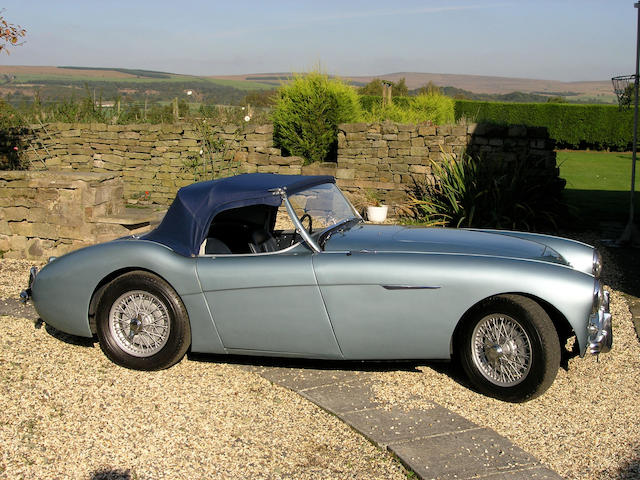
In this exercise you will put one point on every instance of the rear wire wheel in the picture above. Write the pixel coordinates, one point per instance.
(142, 323)
(510, 349)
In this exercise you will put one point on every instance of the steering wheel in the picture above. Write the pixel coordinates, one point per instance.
(306, 215)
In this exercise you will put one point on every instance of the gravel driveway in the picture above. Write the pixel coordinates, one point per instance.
(68, 411)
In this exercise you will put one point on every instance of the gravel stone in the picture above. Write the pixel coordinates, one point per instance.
(68, 412)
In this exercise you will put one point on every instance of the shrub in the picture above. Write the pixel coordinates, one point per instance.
(12, 144)
(571, 126)
(9, 116)
(473, 192)
(431, 107)
(307, 113)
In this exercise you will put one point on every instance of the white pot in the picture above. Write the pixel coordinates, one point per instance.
(377, 214)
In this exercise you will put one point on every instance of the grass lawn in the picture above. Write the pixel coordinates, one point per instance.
(598, 185)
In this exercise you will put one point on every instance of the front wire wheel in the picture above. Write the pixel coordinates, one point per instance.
(501, 350)
(509, 348)
(139, 323)
(142, 323)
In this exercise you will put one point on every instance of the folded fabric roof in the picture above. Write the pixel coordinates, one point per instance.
(186, 223)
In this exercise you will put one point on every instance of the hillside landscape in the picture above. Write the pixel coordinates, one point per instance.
(21, 83)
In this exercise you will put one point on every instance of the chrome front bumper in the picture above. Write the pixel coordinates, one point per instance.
(600, 332)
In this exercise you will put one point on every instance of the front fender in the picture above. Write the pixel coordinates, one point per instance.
(62, 290)
(434, 291)
(577, 254)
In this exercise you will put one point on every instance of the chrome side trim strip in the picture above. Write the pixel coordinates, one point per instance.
(408, 287)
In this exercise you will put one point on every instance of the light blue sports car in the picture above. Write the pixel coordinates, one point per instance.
(280, 265)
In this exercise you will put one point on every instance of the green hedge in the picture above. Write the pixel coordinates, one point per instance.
(599, 127)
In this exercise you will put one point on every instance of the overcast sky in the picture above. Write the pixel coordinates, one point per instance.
(560, 40)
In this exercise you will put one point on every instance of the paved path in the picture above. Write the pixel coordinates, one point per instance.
(433, 442)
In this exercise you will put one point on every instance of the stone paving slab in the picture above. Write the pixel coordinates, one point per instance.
(465, 454)
(303, 378)
(535, 473)
(394, 425)
(339, 398)
(634, 307)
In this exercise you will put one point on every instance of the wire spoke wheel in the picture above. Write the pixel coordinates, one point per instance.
(139, 323)
(509, 348)
(501, 350)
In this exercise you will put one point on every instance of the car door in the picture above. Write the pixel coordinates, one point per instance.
(386, 305)
(267, 303)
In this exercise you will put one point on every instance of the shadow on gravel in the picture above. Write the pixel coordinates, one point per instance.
(66, 338)
(627, 261)
(631, 468)
(310, 364)
(109, 474)
(450, 369)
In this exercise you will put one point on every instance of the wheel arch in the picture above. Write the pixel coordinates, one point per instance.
(560, 322)
(104, 283)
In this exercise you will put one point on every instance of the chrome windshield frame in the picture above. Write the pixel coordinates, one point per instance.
(296, 222)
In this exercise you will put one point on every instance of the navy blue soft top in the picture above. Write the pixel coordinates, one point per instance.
(186, 223)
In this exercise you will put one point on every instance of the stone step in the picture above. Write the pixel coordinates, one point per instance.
(133, 217)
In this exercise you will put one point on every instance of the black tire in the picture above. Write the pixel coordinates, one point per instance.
(509, 348)
(142, 323)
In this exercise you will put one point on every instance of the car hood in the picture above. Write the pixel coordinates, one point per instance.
(395, 238)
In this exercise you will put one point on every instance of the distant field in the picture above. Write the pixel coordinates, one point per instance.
(598, 184)
(57, 71)
(48, 75)
(34, 79)
(240, 84)
(501, 85)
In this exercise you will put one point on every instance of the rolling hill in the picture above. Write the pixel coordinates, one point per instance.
(61, 82)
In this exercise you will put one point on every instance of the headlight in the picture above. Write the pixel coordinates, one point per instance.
(597, 264)
(598, 296)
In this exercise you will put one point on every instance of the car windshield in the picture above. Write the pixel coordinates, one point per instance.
(320, 207)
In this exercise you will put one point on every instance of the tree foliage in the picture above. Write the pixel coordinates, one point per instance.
(307, 113)
(428, 89)
(10, 34)
(374, 87)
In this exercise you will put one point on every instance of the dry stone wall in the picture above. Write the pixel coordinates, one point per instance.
(91, 171)
(51, 213)
(154, 161)
(388, 157)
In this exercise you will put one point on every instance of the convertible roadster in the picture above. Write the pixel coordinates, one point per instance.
(283, 265)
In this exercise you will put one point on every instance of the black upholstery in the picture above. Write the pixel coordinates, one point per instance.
(262, 242)
(216, 246)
